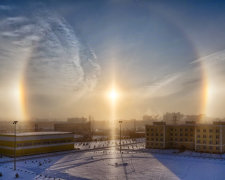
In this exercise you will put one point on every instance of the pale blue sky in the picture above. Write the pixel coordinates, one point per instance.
(69, 51)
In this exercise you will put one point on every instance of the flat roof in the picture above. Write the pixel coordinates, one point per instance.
(215, 125)
(35, 133)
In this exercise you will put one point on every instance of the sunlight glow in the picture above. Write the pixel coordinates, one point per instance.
(113, 95)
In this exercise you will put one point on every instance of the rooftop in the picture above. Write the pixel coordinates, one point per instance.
(34, 133)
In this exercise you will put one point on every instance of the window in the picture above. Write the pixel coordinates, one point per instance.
(217, 137)
(204, 142)
(186, 129)
(204, 130)
(217, 130)
(198, 141)
(198, 130)
(204, 136)
(198, 136)
(210, 136)
(211, 130)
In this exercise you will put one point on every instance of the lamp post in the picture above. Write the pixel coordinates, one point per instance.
(120, 134)
(15, 122)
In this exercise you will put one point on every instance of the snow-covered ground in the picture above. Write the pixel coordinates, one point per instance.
(110, 164)
(104, 144)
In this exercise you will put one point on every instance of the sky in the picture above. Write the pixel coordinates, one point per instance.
(58, 59)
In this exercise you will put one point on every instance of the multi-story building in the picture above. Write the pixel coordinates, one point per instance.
(210, 138)
(35, 143)
(198, 137)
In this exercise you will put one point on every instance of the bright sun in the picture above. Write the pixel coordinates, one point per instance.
(113, 95)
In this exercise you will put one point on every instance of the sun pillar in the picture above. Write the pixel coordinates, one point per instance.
(113, 96)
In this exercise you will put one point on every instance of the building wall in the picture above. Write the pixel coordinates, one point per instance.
(202, 138)
(36, 150)
(208, 138)
(26, 145)
(181, 136)
(155, 136)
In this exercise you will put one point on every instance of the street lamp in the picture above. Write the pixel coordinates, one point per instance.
(120, 134)
(15, 122)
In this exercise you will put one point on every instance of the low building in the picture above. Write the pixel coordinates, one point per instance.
(199, 137)
(77, 128)
(77, 120)
(44, 126)
(35, 143)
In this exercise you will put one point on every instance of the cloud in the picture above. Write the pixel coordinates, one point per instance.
(184, 81)
(56, 63)
(216, 56)
(2, 7)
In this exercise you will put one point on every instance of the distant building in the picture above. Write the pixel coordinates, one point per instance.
(44, 126)
(77, 120)
(147, 118)
(199, 137)
(195, 118)
(172, 118)
(7, 126)
(77, 128)
(35, 143)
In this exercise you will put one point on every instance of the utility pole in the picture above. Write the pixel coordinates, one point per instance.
(120, 134)
(15, 122)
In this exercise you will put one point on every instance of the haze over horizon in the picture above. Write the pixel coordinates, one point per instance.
(60, 58)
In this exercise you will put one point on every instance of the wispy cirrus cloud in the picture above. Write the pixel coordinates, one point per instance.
(4, 7)
(58, 67)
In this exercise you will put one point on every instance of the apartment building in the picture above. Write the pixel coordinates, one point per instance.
(199, 137)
